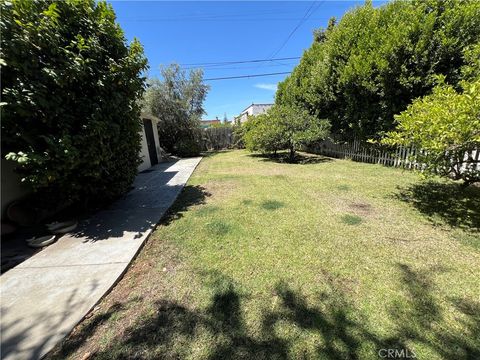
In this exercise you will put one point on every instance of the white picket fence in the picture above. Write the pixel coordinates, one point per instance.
(403, 157)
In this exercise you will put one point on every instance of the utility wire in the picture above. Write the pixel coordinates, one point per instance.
(238, 67)
(246, 76)
(238, 62)
(307, 14)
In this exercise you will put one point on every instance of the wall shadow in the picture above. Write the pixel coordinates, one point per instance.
(454, 205)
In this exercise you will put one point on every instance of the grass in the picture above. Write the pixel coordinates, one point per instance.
(328, 259)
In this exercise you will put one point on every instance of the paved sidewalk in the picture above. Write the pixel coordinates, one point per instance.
(43, 298)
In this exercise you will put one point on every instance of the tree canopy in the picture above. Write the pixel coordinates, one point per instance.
(283, 128)
(370, 65)
(177, 100)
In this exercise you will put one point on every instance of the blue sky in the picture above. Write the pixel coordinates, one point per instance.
(188, 32)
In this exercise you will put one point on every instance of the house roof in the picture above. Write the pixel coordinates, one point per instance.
(253, 104)
(215, 121)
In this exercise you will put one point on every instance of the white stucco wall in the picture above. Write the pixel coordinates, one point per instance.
(144, 147)
(254, 109)
(145, 164)
(258, 109)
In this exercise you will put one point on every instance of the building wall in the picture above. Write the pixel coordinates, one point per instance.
(260, 109)
(145, 164)
(254, 109)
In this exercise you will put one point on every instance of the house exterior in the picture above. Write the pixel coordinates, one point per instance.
(252, 110)
(150, 152)
(205, 124)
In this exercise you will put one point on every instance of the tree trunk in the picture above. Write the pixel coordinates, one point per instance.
(292, 154)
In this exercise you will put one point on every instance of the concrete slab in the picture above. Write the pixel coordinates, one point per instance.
(46, 296)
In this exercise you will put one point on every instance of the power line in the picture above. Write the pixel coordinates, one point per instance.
(307, 14)
(247, 76)
(238, 62)
(241, 67)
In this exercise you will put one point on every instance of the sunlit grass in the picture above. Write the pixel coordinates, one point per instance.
(328, 259)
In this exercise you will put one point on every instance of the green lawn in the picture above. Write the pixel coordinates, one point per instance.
(329, 259)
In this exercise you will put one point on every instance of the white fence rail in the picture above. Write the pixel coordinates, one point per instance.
(403, 157)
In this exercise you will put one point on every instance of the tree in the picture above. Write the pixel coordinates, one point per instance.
(262, 133)
(177, 100)
(369, 66)
(70, 86)
(284, 128)
(446, 127)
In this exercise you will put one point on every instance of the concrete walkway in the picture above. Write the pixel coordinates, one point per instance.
(43, 298)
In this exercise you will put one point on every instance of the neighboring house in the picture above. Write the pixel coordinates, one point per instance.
(151, 152)
(204, 124)
(252, 110)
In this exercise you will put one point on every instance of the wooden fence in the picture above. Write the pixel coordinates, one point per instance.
(403, 157)
(217, 138)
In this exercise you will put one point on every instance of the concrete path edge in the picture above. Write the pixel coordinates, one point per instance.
(31, 327)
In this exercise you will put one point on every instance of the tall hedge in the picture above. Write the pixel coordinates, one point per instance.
(371, 64)
(70, 85)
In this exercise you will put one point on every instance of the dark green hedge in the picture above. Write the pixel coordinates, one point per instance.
(70, 86)
(369, 66)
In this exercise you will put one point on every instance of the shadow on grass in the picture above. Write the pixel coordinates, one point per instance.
(212, 153)
(300, 158)
(272, 205)
(447, 202)
(191, 195)
(219, 330)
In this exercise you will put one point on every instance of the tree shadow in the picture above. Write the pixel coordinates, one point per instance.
(420, 318)
(448, 202)
(300, 158)
(176, 330)
(191, 195)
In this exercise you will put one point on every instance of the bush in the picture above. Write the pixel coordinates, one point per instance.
(445, 126)
(284, 128)
(188, 146)
(70, 86)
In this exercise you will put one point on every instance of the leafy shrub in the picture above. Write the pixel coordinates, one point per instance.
(69, 86)
(446, 126)
(188, 146)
